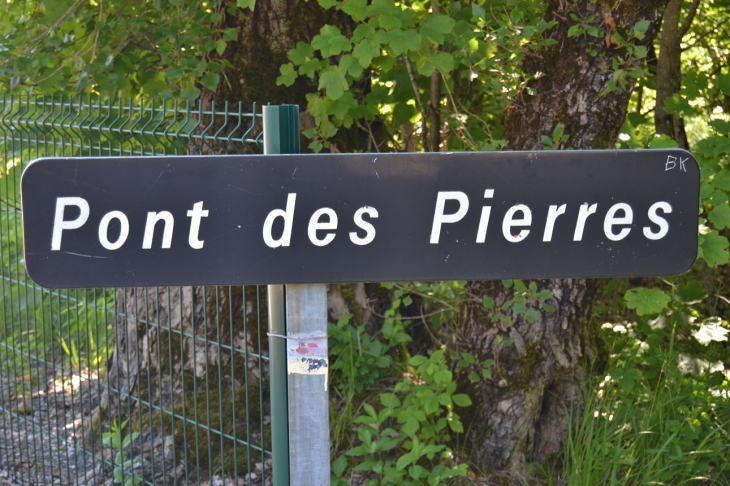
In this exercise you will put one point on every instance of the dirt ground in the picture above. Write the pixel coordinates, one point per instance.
(44, 439)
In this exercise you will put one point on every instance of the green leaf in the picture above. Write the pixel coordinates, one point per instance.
(531, 315)
(545, 294)
(436, 26)
(220, 46)
(301, 53)
(190, 92)
(410, 427)
(55, 9)
(383, 7)
(404, 461)
(456, 425)
(629, 378)
(720, 216)
(692, 291)
(338, 467)
(443, 376)
(210, 81)
(230, 34)
(357, 9)
(662, 141)
(461, 400)
(646, 301)
(310, 67)
(343, 106)
(678, 105)
(154, 86)
(325, 4)
(641, 26)
(288, 75)
(722, 180)
(713, 249)
(405, 41)
(389, 22)
(333, 82)
(720, 126)
(640, 51)
(389, 400)
(576, 30)
(488, 302)
(442, 61)
(330, 42)
(594, 31)
(250, 4)
(478, 11)
(637, 73)
(365, 51)
(402, 113)
(723, 82)
(640, 29)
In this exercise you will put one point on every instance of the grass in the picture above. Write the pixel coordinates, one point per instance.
(41, 325)
(670, 429)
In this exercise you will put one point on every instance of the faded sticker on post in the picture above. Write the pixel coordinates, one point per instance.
(307, 356)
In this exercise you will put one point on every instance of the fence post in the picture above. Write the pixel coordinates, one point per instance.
(281, 136)
(305, 372)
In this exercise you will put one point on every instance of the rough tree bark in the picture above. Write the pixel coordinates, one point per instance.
(669, 70)
(520, 415)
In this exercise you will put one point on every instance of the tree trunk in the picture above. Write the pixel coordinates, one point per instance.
(669, 70)
(186, 351)
(192, 352)
(520, 415)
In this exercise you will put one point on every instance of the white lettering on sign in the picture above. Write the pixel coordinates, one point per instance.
(658, 220)
(323, 224)
(149, 229)
(104, 230)
(484, 220)
(439, 217)
(671, 163)
(59, 224)
(288, 215)
(196, 214)
(583, 214)
(362, 224)
(553, 212)
(510, 221)
(611, 220)
(618, 214)
(315, 224)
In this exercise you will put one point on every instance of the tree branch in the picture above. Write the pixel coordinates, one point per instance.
(687, 23)
(434, 109)
(419, 100)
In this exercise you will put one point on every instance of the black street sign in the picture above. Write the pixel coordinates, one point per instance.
(148, 221)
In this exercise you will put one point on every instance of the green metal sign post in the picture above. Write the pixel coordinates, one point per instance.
(281, 136)
(297, 350)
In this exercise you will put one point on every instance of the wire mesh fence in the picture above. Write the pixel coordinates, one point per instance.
(127, 386)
